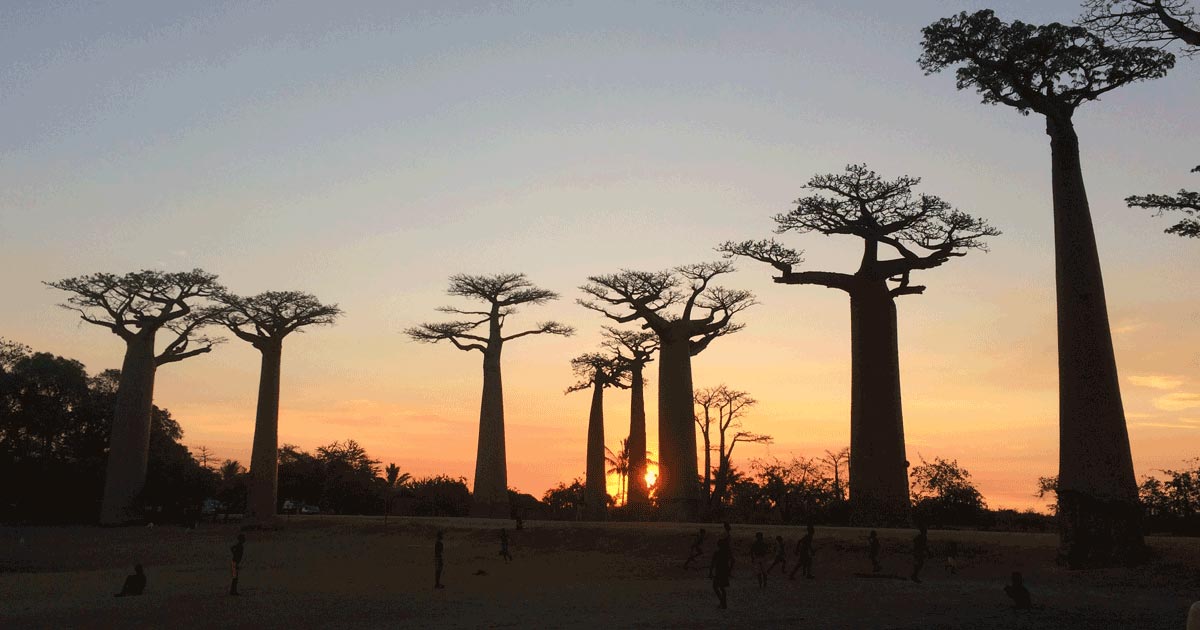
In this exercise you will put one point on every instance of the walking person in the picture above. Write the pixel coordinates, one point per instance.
(780, 556)
(438, 562)
(720, 570)
(758, 557)
(236, 550)
(697, 548)
(504, 546)
(920, 549)
(873, 551)
(804, 551)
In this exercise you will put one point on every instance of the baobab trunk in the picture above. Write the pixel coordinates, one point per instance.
(490, 496)
(595, 487)
(678, 487)
(1098, 508)
(261, 500)
(637, 493)
(129, 443)
(879, 476)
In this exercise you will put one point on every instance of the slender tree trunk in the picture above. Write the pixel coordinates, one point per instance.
(638, 494)
(1097, 496)
(595, 486)
(129, 444)
(678, 484)
(878, 466)
(490, 496)
(263, 493)
(708, 480)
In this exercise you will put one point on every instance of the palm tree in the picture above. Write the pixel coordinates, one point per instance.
(394, 480)
(618, 464)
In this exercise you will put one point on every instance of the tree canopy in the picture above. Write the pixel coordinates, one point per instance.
(1186, 202)
(502, 293)
(1152, 22)
(271, 316)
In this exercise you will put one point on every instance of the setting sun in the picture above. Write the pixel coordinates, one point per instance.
(651, 475)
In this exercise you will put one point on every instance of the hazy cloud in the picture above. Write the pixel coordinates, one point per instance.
(1178, 401)
(1156, 381)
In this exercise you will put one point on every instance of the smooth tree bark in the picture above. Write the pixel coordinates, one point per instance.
(1186, 202)
(483, 332)
(921, 232)
(264, 320)
(1052, 70)
(135, 307)
(597, 372)
(637, 348)
(1144, 22)
(704, 312)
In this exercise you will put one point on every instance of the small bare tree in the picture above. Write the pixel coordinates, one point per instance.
(725, 408)
(501, 294)
(135, 307)
(686, 312)
(264, 320)
(597, 372)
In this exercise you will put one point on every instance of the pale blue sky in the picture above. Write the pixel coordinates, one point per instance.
(366, 151)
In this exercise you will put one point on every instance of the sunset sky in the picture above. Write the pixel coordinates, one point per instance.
(367, 155)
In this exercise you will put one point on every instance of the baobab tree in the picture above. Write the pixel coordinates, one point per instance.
(1052, 70)
(263, 321)
(837, 460)
(922, 232)
(686, 312)
(1185, 201)
(1144, 22)
(637, 348)
(501, 294)
(724, 408)
(597, 372)
(135, 307)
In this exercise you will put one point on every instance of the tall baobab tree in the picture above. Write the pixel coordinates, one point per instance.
(686, 312)
(135, 307)
(1185, 201)
(597, 372)
(1052, 70)
(264, 320)
(501, 294)
(637, 348)
(1144, 22)
(922, 232)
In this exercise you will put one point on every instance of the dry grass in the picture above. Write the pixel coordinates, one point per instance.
(351, 572)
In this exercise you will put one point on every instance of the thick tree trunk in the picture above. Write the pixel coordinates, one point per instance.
(878, 468)
(678, 485)
(490, 496)
(262, 495)
(129, 444)
(1097, 492)
(637, 494)
(595, 485)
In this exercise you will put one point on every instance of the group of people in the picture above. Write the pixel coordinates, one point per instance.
(136, 584)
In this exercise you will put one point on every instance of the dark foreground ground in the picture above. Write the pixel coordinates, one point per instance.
(346, 572)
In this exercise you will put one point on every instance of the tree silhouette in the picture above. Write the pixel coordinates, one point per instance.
(264, 320)
(1150, 22)
(1185, 201)
(836, 460)
(923, 232)
(618, 464)
(502, 294)
(637, 348)
(597, 372)
(730, 406)
(135, 307)
(686, 312)
(1052, 70)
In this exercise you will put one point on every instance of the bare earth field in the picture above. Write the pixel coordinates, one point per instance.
(351, 572)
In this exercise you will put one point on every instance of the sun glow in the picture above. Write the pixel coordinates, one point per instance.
(651, 476)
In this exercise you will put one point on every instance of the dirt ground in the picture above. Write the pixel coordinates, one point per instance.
(350, 572)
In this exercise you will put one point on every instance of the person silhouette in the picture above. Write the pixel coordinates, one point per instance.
(780, 556)
(804, 549)
(873, 551)
(236, 550)
(1017, 591)
(952, 558)
(728, 533)
(697, 548)
(720, 570)
(758, 557)
(504, 545)
(134, 584)
(920, 549)
(438, 562)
